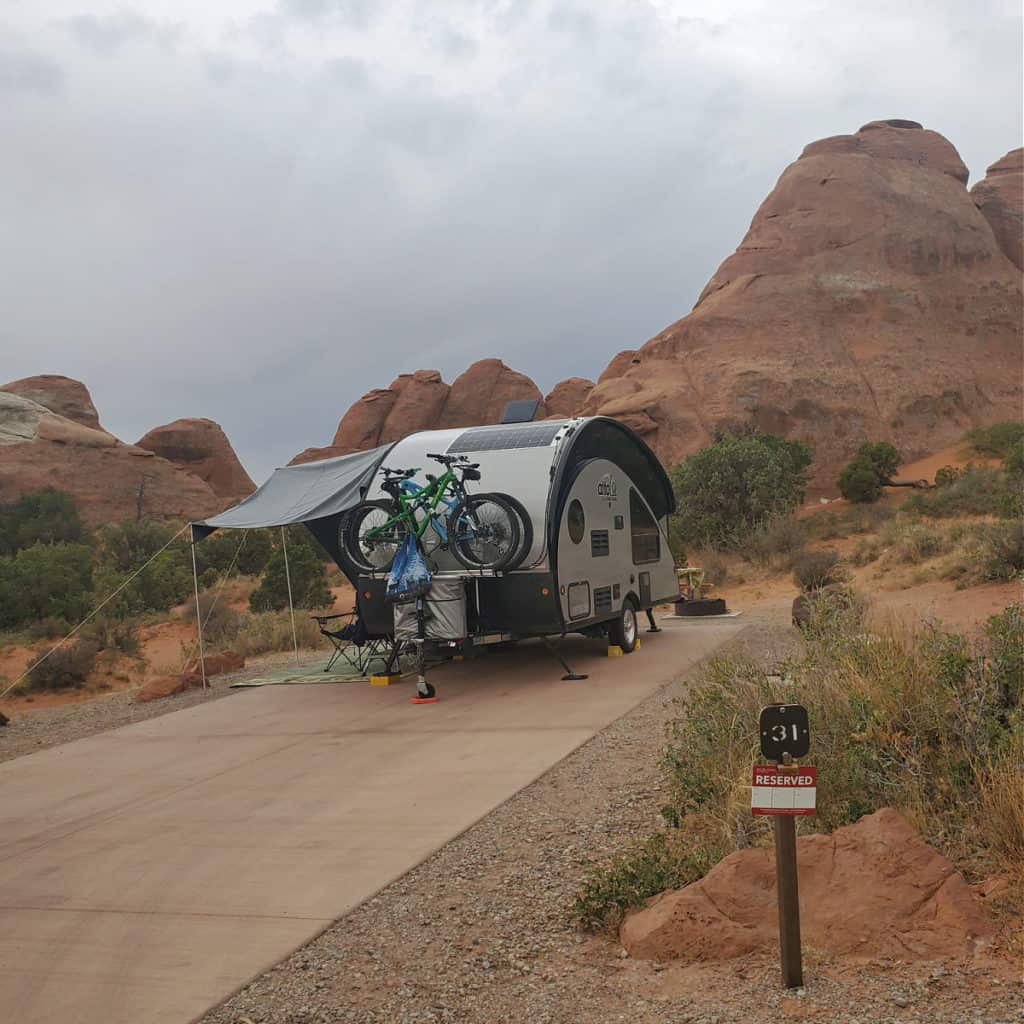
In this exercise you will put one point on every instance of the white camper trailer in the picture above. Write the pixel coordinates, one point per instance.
(594, 550)
(592, 503)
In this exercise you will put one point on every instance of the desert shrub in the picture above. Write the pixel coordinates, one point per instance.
(724, 491)
(266, 632)
(835, 524)
(249, 551)
(658, 863)
(716, 569)
(813, 570)
(306, 566)
(976, 491)
(221, 622)
(123, 548)
(997, 439)
(110, 632)
(990, 552)
(916, 722)
(1005, 633)
(45, 581)
(47, 516)
(863, 478)
(775, 541)
(46, 628)
(1013, 461)
(65, 668)
(947, 475)
(866, 550)
(909, 542)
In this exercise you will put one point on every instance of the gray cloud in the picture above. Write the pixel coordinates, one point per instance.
(276, 214)
(105, 35)
(22, 71)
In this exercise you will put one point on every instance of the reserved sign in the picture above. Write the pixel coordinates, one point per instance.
(784, 790)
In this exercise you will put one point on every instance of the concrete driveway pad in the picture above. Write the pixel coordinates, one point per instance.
(148, 872)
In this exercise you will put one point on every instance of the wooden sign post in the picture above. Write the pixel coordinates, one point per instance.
(785, 790)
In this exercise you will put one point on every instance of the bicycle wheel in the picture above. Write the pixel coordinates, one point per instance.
(525, 531)
(483, 532)
(368, 539)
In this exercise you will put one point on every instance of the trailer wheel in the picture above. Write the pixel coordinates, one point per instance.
(622, 631)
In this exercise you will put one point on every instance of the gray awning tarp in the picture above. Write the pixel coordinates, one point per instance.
(299, 494)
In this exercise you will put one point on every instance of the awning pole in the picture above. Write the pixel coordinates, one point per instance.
(291, 606)
(199, 611)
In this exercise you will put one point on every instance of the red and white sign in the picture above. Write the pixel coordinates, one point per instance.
(783, 790)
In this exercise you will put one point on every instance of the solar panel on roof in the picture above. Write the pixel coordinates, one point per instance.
(491, 439)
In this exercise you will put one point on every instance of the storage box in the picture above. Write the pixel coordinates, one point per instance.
(444, 613)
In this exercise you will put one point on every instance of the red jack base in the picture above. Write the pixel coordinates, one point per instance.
(424, 700)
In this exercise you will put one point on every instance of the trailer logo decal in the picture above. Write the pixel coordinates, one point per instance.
(607, 488)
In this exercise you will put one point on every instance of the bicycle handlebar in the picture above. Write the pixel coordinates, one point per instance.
(451, 460)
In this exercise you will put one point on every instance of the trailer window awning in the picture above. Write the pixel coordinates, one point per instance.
(301, 494)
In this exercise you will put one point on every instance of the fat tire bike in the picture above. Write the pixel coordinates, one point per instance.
(482, 531)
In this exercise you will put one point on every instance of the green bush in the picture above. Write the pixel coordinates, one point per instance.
(45, 581)
(871, 469)
(997, 439)
(250, 551)
(724, 491)
(47, 516)
(306, 565)
(1005, 633)
(813, 570)
(658, 863)
(66, 668)
(904, 722)
(976, 491)
(860, 482)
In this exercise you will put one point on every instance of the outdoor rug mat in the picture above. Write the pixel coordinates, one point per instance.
(300, 675)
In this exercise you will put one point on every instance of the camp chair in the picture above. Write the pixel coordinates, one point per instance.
(352, 641)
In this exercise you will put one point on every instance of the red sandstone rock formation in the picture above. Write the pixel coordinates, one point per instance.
(423, 401)
(869, 299)
(1000, 197)
(201, 447)
(110, 480)
(62, 395)
(871, 889)
(479, 395)
(567, 396)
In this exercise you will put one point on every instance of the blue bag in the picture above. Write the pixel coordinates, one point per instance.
(409, 577)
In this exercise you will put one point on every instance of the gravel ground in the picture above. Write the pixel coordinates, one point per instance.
(480, 932)
(29, 731)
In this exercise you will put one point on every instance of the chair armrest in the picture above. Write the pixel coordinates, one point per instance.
(337, 615)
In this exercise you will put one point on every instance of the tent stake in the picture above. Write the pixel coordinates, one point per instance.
(291, 607)
(199, 611)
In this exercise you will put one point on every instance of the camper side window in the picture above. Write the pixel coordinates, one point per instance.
(643, 528)
(577, 521)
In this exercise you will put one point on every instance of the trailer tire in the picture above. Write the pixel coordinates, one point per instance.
(623, 629)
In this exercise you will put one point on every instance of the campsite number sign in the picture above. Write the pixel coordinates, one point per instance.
(784, 729)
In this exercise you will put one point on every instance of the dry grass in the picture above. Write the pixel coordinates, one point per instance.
(921, 720)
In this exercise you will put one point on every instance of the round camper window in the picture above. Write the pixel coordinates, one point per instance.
(577, 521)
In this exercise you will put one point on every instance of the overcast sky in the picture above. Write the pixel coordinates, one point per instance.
(256, 210)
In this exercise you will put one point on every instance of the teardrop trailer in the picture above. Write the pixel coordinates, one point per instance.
(586, 500)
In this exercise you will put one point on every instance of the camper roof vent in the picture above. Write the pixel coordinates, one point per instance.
(520, 410)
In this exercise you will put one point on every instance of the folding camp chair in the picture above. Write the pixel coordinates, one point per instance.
(353, 643)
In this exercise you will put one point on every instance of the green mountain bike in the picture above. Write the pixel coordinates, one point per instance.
(483, 531)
